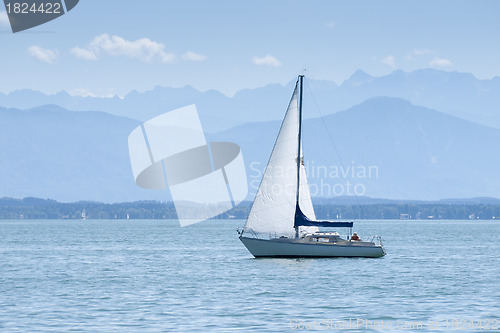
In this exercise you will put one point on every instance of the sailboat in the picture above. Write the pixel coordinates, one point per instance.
(282, 222)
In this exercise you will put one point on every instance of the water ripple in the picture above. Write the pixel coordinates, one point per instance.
(152, 276)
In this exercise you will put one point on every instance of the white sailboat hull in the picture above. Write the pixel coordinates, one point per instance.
(290, 248)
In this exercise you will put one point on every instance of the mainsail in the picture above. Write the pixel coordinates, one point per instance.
(273, 210)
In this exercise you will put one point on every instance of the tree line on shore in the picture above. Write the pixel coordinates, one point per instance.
(34, 208)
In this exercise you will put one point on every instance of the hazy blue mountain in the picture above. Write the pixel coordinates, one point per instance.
(389, 149)
(458, 94)
(49, 152)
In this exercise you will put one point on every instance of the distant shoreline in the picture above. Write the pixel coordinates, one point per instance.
(365, 208)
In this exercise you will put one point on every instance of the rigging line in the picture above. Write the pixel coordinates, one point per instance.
(333, 143)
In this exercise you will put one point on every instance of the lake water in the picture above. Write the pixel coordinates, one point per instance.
(153, 276)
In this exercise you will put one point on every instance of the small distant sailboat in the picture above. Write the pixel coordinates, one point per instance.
(282, 222)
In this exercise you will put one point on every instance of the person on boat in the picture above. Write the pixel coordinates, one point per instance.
(355, 237)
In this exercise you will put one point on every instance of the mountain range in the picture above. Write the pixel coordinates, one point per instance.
(383, 147)
(458, 94)
(387, 147)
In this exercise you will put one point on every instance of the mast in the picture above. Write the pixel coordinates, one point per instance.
(301, 78)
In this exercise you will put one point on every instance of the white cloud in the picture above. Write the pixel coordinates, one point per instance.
(390, 61)
(437, 62)
(82, 92)
(191, 56)
(267, 60)
(331, 24)
(143, 49)
(86, 92)
(44, 55)
(424, 55)
(84, 54)
(4, 19)
(418, 53)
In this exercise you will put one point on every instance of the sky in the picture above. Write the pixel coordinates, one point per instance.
(103, 48)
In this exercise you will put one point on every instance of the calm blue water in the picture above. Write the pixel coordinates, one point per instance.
(153, 276)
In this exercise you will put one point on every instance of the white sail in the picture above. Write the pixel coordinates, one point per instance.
(273, 210)
(305, 201)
